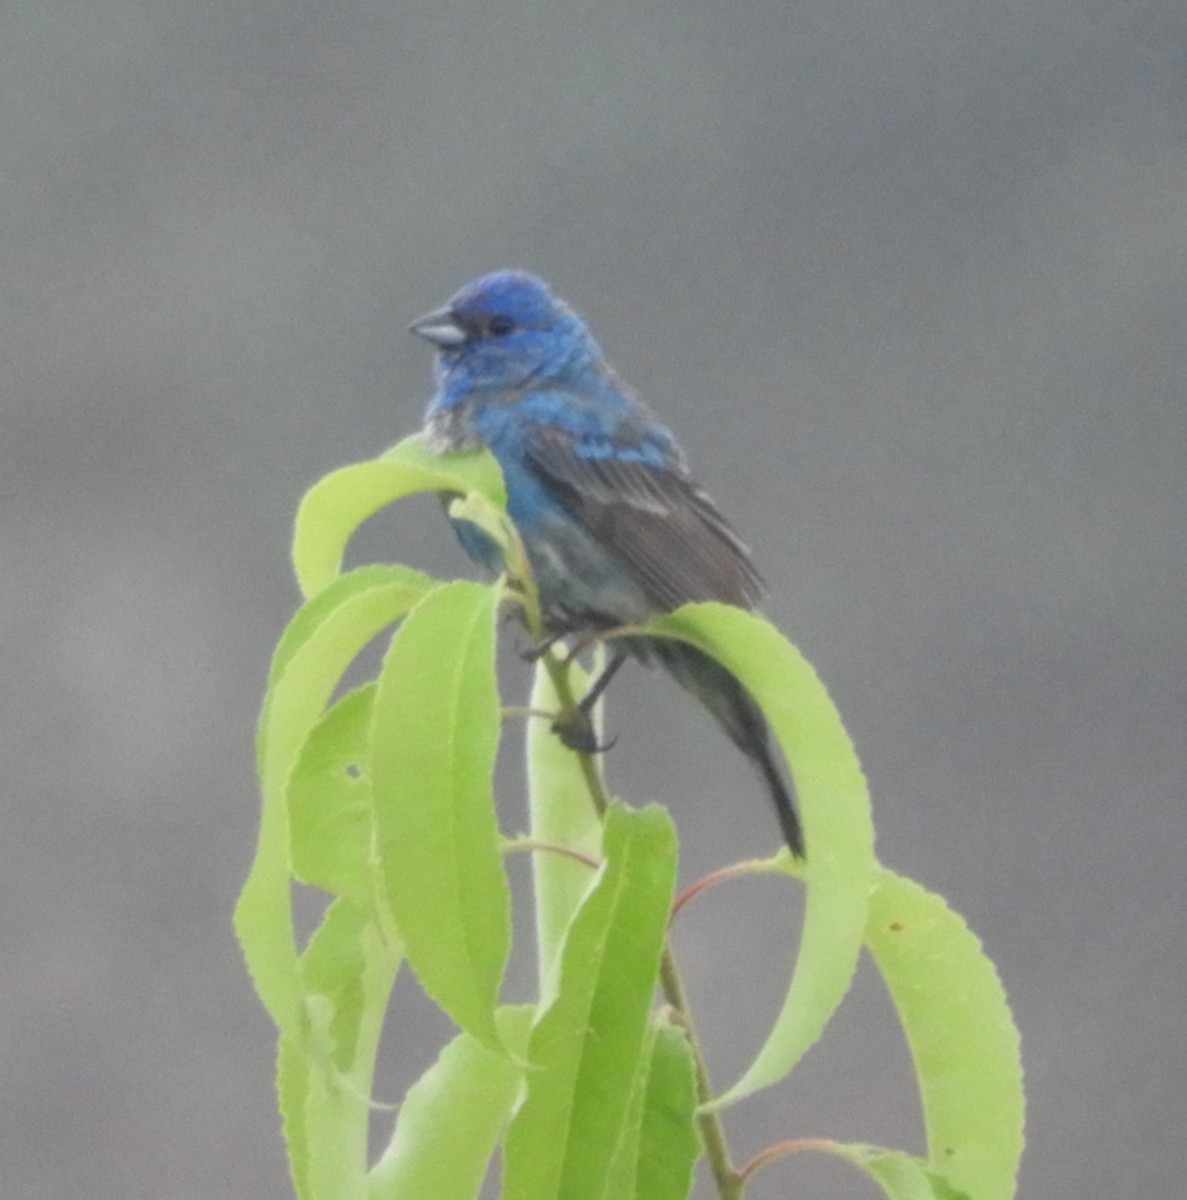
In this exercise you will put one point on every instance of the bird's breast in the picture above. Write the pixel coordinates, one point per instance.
(448, 430)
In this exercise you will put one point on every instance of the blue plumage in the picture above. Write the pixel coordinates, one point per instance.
(614, 526)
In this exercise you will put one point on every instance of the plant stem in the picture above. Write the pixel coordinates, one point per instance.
(559, 674)
(730, 1185)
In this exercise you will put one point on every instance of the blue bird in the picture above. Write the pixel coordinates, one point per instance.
(615, 529)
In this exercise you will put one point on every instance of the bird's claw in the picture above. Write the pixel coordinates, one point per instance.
(576, 730)
(532, 654)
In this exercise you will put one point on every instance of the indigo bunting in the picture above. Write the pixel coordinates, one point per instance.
(614, 527)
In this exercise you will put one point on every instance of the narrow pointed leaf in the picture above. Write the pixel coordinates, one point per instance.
(490, 518)
(310, 623)
(452, 1117)
(900, 1176)
(623, 1171)
(587, 1047)
(339, 503)
(347, 972)
(342, 953)
(435, 733)
(834, 805)
(668, 1144)
(962, 1037)
(323, 1080)
(292, 1090)
(329, 800)
(563, 814)
(319, 644)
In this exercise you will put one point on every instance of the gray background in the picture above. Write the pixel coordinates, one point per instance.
(908, 279)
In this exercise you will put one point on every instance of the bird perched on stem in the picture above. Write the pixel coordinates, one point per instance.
(614, 527)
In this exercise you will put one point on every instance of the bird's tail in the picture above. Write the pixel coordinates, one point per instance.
(721, 693)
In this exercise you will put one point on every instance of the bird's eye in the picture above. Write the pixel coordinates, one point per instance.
(500, 325)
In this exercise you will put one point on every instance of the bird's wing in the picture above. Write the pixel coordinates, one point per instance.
(649, 514)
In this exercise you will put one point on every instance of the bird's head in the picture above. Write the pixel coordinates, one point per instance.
(504, 331)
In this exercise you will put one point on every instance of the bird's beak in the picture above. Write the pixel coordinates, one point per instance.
(441, 328)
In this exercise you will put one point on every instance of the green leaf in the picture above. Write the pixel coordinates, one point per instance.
(586, 1048)
(621, 1175)
(339, 503)
(962, 1037)
(659, 1146)
(325, 1081)
(348, 972)
(562, 814)
(668, 1145)
(292, 1089)
(330, 804)
(319, 644)
(490, 518)
(435, 733)
(834, 805)
(334, 968)
(452, 1117)
(309, 624)
(900, 1176)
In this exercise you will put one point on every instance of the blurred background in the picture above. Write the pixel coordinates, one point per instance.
(909, 281)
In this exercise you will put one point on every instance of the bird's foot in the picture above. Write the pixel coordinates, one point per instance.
(576, 730)
(536, 652)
